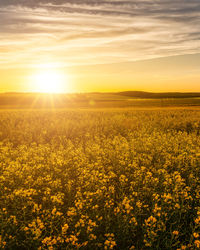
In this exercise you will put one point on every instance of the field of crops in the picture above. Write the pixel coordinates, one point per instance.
(120, 179)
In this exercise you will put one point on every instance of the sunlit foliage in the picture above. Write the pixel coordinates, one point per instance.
(100, 179)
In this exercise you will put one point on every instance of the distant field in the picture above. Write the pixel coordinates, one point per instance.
(100, 179)
(91, 100)
(99, 171)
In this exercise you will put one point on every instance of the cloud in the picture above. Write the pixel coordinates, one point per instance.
(96, 32)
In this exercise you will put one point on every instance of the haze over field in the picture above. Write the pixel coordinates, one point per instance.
(92, 45)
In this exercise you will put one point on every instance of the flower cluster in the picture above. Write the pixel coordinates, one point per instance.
(121, 179)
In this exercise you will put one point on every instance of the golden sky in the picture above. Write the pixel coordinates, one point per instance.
(93, 45)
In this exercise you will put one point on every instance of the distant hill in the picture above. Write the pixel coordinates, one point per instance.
(151, 95)
(97, 100)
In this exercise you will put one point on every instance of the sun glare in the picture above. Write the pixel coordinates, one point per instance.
(49, 81)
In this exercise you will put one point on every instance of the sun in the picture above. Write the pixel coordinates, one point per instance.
(49, 81)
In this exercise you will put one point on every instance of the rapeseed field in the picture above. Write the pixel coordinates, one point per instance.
(123, 179)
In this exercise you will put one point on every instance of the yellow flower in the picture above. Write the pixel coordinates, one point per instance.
(92, 237)
(110, 242)
(65, 228)
(133, 221)
(197, 220)
(183, 247)
(197, 243)
(150, 221)
(196, 235)
(175, 233)
(53, 211)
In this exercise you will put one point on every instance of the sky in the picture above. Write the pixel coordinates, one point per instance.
(101, 45)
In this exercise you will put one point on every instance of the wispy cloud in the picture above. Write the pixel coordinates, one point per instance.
(96, 32)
